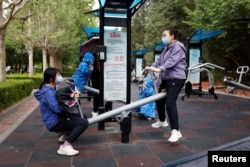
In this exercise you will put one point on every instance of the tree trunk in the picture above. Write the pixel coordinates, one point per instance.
(52, 60)
(55, 61)
(30, 49)
(31, 63)
(59, 63)
(2, 56)
(44, 59)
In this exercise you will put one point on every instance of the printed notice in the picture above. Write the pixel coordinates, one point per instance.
(115, 66)
(194, 56)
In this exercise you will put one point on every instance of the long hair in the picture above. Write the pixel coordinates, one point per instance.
(49, 76)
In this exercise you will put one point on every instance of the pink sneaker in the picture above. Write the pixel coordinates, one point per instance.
(70, 103)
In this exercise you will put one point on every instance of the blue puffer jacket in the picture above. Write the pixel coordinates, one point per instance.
(49, 106)
(81, 75)
(148, 110)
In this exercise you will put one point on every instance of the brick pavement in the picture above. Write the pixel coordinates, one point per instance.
(205, 123)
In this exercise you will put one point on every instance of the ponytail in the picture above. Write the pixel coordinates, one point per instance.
(174, 32)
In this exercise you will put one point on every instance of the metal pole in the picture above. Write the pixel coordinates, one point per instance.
(236, 84)
(96, 91)
(127, 107)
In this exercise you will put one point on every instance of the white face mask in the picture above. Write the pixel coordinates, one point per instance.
(59, 80)
(165, 40)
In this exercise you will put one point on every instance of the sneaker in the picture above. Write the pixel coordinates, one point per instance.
(159, 124)
(62, 138)
(175, 136)
(94, 114)
(67, 150)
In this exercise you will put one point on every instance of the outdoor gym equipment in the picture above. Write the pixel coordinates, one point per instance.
(121, 113)
(124, 110)
(233, 84)
(200, 68)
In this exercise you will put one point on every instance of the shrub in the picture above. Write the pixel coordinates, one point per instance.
(13, 90)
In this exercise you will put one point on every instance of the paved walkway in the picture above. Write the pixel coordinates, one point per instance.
(205, 123)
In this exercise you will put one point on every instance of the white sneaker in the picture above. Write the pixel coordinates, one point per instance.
(159, 124)
(67, 150)
(62, 138)
(94, 114)
(175, 136)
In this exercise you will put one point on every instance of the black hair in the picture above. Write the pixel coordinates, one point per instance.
(49, 75)
(173, 31)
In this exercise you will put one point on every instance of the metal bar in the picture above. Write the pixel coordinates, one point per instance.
(130, 106)
(79, 107)
(209, 65)
(96, 91)
(236, 84)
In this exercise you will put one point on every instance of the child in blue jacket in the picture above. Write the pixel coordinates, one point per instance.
(80, 79)
(82, 74)
(146, 90)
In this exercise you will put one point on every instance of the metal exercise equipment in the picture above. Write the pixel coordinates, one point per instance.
(124, 118)
(234, 84)
(200, 68)
(121, 114)
(126, 108)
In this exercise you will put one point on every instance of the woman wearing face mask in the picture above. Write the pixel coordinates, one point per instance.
(171, 65)
(53, 116)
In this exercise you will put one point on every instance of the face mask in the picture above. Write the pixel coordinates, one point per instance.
(91, 67)
(59, 80)
(165, 40)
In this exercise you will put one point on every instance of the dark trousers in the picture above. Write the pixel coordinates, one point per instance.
(173, 88)
(73, 124)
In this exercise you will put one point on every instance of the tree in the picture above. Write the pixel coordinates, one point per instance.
(162, 14)
(54, 26)
(8, 10)
(138, 28)
(232, 48)
(60, 33)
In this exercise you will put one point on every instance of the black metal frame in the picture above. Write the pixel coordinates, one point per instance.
(116, 7)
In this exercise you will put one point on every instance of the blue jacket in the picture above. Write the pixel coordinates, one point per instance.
(148, 110)
(81, 75)
(172, 62)
(49, 106)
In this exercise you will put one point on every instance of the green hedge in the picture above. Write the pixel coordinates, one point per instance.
(37, 79)
(17, 87)
(67, 74)
(14, 90)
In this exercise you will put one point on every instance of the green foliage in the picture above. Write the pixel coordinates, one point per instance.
(232, 48)
(169, 14)
(13, 90)
(37, 78)
(148, 58)
(151, 19)
(56, 25)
